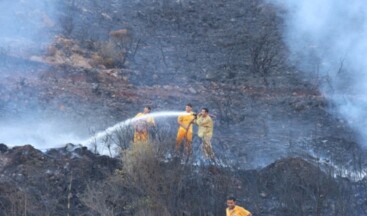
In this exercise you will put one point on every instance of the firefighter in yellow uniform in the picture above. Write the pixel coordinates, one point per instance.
(235, 210)
(185, 130)
(205, 132)
(141, 126)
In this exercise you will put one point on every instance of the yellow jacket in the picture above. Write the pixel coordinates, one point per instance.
(205, 126)
(185, 120)
(237, 211)
(142, 124)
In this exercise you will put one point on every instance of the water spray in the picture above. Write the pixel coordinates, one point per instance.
(128, 122)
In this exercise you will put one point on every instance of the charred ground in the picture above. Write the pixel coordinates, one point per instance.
(107, 60)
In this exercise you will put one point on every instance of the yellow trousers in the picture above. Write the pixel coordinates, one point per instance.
(187, 135)
(141, 136)
(207, 147)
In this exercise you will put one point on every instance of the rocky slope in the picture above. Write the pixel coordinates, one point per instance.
(74, 181)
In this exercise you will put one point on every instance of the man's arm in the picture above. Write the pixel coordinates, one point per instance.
(204, 122)
(150, 121)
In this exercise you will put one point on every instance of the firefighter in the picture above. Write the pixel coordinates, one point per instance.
(235, 210)
(141, 126)
(185, 129)
(205, 132)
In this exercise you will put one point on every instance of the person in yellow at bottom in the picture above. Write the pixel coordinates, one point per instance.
(235, 210)
(205, 131)
(142, 125)
(185, 129)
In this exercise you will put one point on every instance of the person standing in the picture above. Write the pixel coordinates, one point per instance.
(205, 131)
(185, 129)
(235, 210)
(142, 124)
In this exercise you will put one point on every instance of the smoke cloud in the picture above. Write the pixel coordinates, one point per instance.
(42, 134)
(27, 27)
(25, 24)
(327, 39)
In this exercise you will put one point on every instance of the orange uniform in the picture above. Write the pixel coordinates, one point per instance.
(141, 133)
(184, 122)
(237, 211)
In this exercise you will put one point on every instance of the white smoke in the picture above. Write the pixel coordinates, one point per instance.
(27, 27)
(328, 40)
(26, 24)
(42, 133)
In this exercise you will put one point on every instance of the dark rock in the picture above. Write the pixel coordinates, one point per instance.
(3, 148)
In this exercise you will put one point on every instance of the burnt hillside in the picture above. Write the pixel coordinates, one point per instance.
(72, 68)
(74, 181)
(103, 62)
